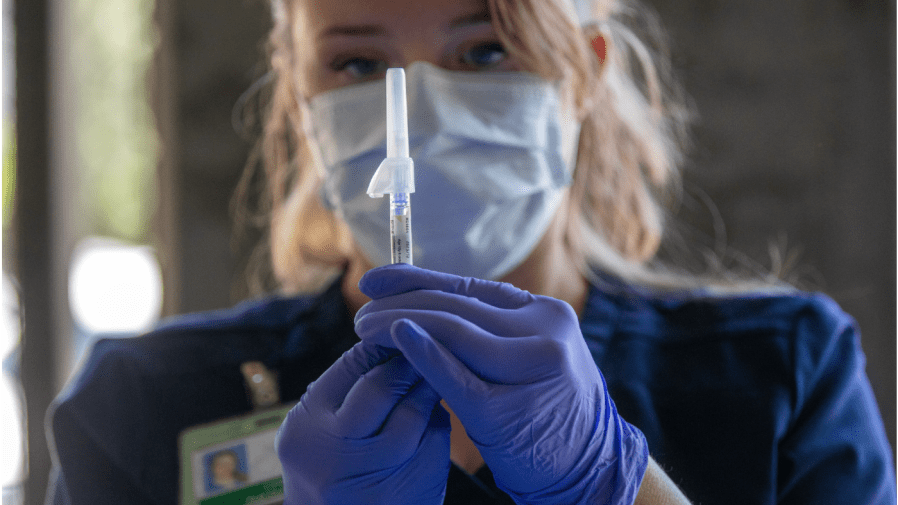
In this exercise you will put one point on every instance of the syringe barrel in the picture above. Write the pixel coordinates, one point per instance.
(400, 229)
(397, 122)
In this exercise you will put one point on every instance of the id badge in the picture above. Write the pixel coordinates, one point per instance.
(233, 461)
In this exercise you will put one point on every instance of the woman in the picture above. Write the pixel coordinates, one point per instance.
(225, 470)
(541, 161)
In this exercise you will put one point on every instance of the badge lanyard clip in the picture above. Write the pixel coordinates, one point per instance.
(261, 384)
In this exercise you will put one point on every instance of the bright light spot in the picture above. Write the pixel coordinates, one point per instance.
(9, 318)
(13, 454)
(115, 287)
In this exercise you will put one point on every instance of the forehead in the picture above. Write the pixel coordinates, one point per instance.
(318, 16)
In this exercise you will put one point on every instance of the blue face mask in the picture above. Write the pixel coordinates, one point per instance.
(493, 154)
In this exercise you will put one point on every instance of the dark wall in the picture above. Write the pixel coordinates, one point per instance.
(796, 140)
(210, 53)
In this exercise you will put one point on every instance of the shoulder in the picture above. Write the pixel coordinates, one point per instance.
(811, 318)
(263, 314)
(809, 331)
(811, 327)
(192, 339)
(779, 340)
(132, 397)
(192, 345)
(796, 349)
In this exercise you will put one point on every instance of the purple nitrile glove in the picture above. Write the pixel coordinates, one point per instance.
(516, 371)
(369, 430)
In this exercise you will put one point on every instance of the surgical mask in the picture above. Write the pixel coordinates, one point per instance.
(493, 154)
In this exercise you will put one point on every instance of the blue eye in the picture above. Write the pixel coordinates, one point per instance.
(360, 68)
(485, 55)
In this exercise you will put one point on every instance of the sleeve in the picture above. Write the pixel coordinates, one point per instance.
(835, 450)
(96, 433)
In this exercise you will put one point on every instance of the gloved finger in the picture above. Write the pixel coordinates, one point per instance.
(399, 278)
(412, 417)
(448, 376)
(374, 396)
(329, 390)
(285, 438)
(429, 451)
(504, 322)
(494, 359)
(436, 436)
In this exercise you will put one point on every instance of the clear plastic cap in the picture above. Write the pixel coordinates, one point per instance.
(397, 118)
(396, 173)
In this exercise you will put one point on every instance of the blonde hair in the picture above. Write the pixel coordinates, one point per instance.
(632, 139)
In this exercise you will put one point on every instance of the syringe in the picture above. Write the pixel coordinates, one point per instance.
(396, 174)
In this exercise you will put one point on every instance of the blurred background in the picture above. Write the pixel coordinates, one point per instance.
(123, 141)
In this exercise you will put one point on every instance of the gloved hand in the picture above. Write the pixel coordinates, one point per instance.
(369, 430)
(516, 371)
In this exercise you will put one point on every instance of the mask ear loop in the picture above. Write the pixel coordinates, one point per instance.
(314, 149)
(308, 131)
(570, 123)
(598, 41)
(571, 116)
(595, 32)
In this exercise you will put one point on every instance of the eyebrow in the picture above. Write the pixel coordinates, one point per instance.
(354, 30)
(471, 19)
(378, 30)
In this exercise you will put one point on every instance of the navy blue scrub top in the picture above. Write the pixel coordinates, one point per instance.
(755, 399)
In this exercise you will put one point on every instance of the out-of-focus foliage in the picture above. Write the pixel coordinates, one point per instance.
(116, 143)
